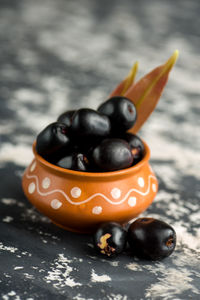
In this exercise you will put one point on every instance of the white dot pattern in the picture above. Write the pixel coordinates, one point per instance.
(154, 187)
(141, 182)
(33, 166)
(115, 193)
(75, 192)
(46, 183)
(132, 201)
(97, 210)
(56, 204)
(31, 188)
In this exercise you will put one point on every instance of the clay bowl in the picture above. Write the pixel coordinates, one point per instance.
(80, 201)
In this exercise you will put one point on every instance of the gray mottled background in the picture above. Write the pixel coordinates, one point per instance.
(59, 55)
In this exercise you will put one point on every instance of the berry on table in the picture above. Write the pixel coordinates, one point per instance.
(152, 239)
(110, 239)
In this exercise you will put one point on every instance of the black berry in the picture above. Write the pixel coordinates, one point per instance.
(137, 146)
(87, 123)
(112, 154)
(52, 139)
(151, 239)
(66, 117)
(110, 239)
(75, 161)
(121, 112)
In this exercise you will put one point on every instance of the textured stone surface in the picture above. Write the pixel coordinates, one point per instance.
(59, 55)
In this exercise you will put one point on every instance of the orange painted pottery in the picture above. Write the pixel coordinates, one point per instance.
(80, 201)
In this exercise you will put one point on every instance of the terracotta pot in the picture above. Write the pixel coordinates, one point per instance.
(80, 201)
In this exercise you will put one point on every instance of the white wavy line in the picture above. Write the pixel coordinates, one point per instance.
(91, 197)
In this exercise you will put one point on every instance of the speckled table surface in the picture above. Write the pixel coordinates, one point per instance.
(59, 55)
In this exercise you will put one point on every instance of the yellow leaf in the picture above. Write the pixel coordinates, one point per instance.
(147, 91)
(124, 85)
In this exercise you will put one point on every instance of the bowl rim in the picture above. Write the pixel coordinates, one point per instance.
(122, 172)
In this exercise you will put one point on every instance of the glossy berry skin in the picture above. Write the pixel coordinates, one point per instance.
(88, 123)
(112, 154)
(110, 239)
(66, 117)
(121, 112)
(152, 239)
(137, 146)
(75, 161)
(52, 139)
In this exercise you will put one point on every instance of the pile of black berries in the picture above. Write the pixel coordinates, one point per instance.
(93, 140)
